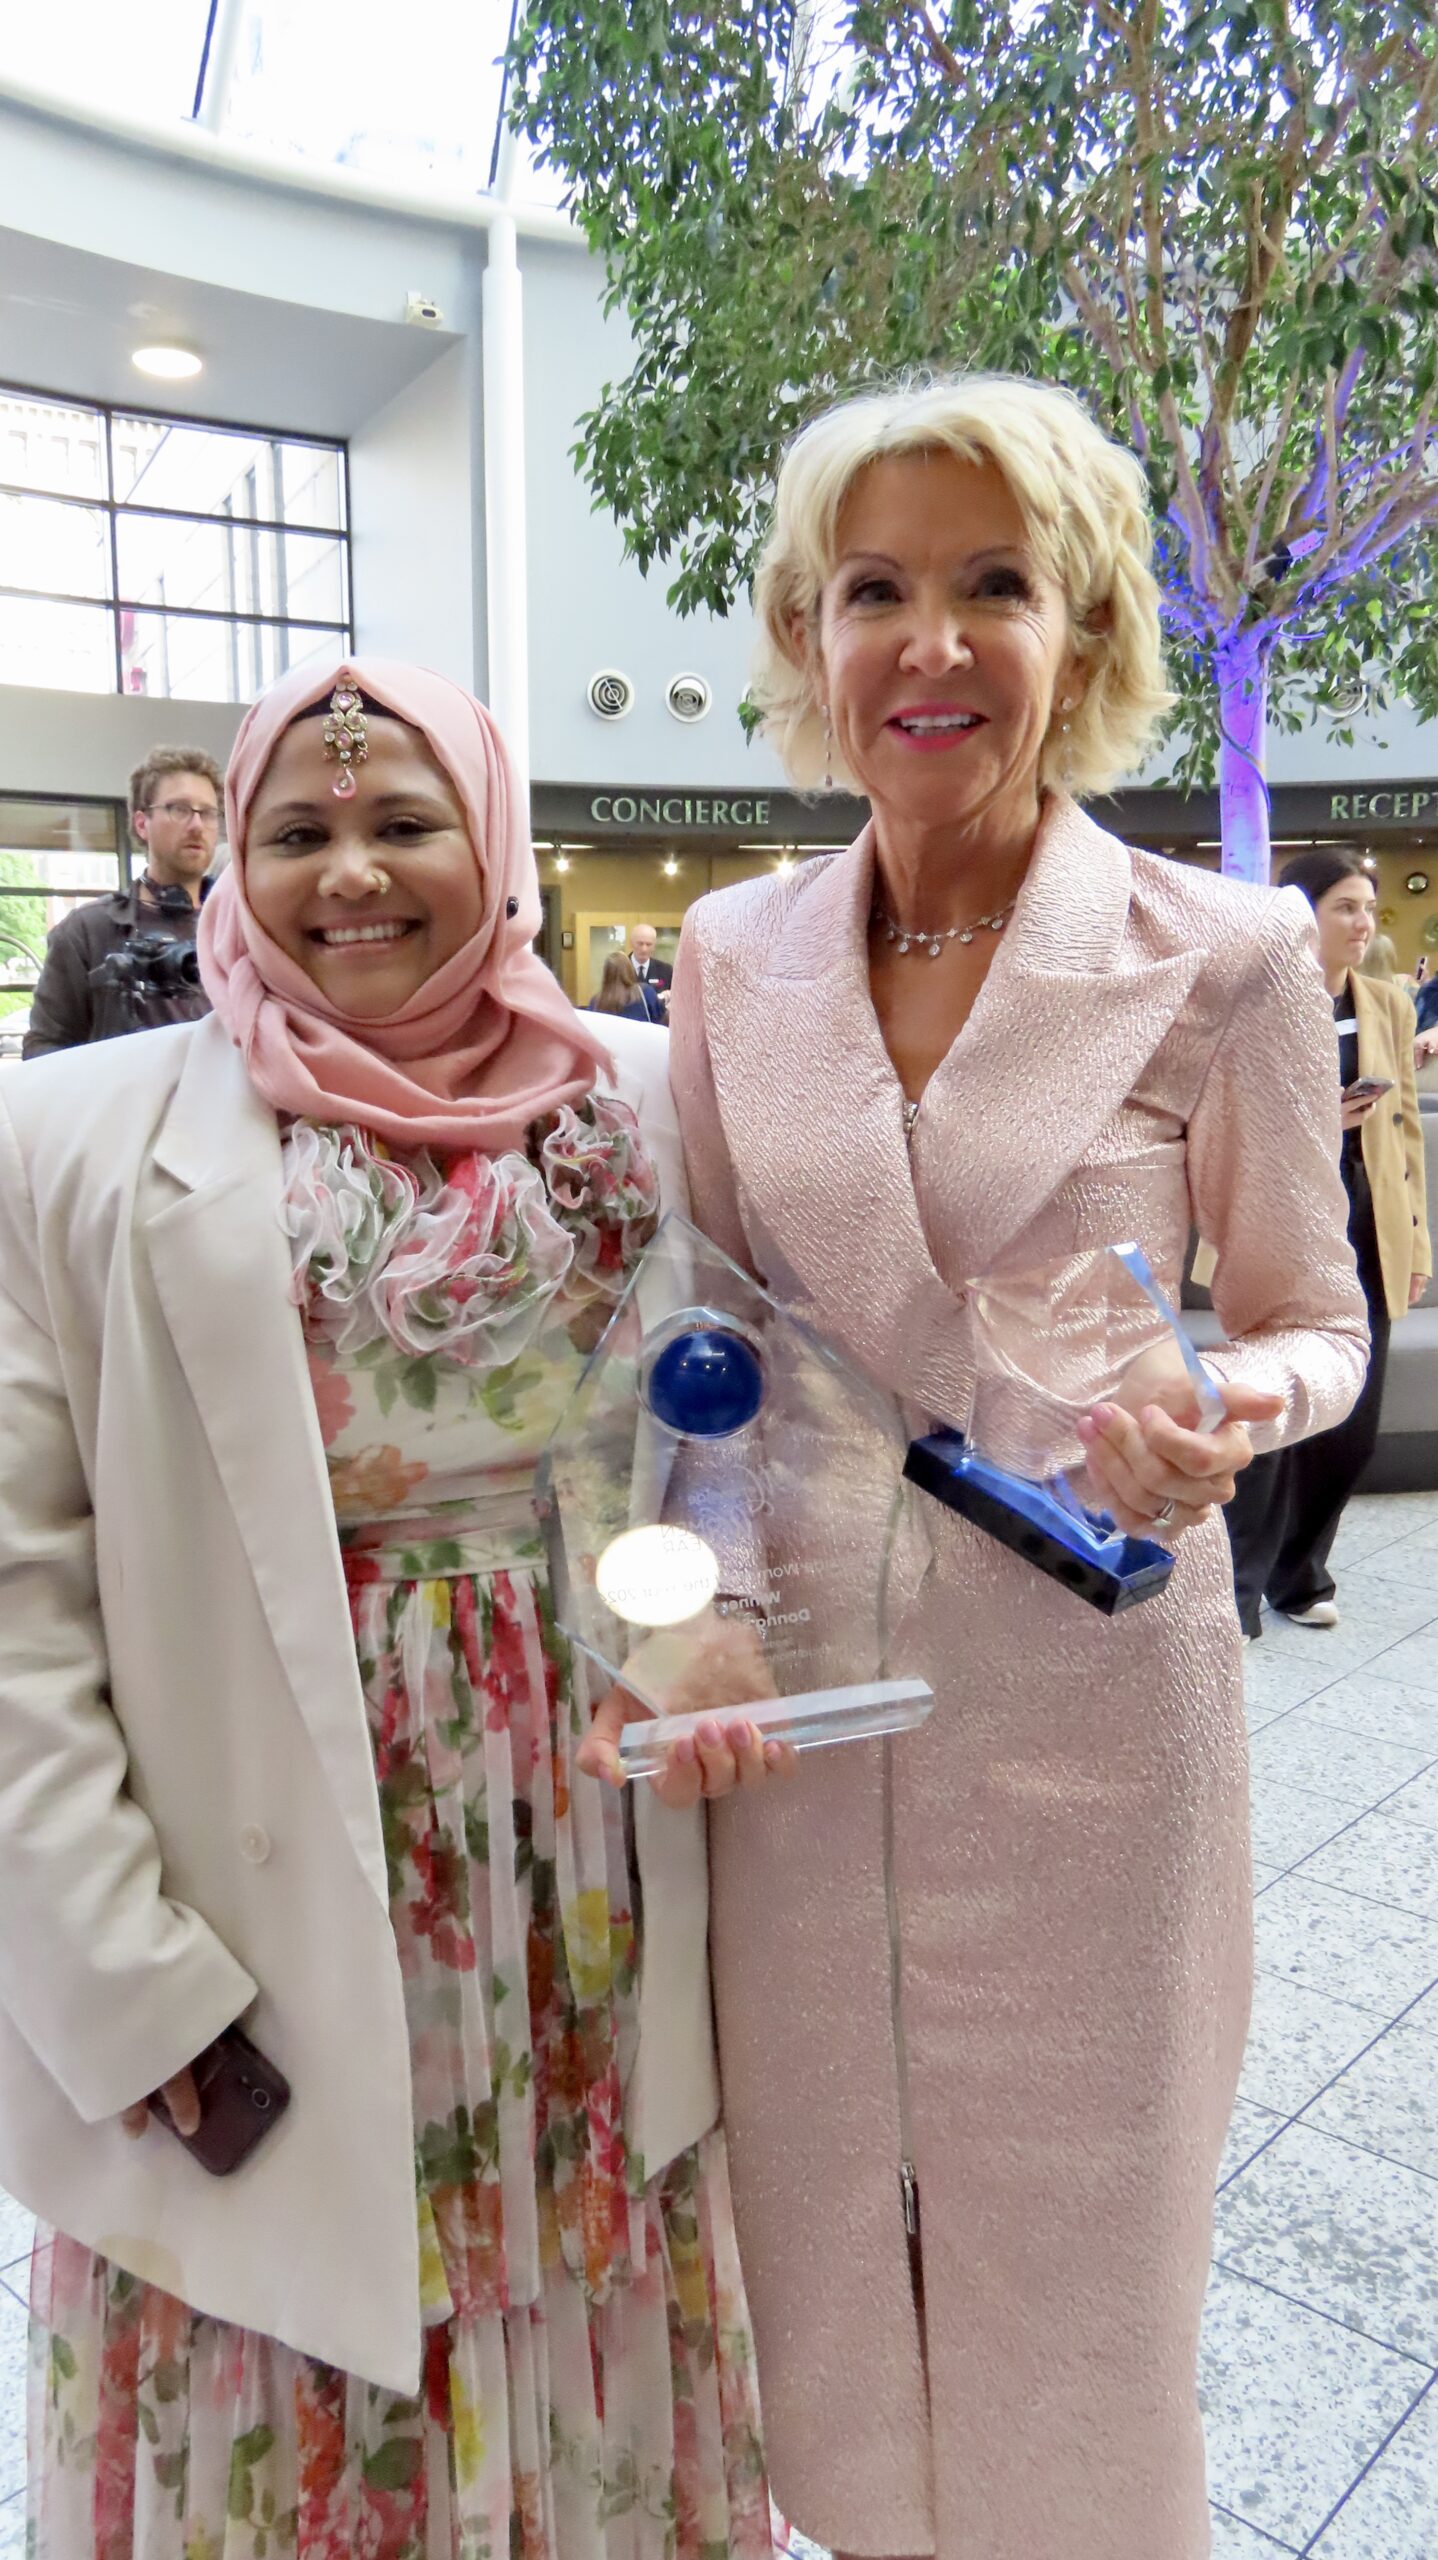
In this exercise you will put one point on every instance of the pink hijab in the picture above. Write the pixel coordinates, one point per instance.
(487, 1044)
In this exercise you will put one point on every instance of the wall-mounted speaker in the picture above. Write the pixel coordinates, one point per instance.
(611, 695)
(688, 697)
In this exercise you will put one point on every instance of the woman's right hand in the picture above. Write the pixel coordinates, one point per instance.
(179, 2098)
(1355, 1113)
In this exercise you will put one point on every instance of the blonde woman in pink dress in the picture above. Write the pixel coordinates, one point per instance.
(980, 2024)
(289, 1300)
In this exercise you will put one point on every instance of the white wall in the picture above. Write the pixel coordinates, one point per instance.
(589, 607)
(415, 478)
(86, 745)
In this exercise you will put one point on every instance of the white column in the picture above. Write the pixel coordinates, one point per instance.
(505, 540)
(220, 69)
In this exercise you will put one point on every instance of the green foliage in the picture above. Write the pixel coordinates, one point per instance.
(1217, 220)
(21, 919)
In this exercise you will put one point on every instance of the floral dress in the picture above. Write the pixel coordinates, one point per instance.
(588, 2380)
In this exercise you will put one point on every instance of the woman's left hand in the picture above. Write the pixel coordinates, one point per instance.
(1418, 1282)
(1141, 1464)
(710, 1669)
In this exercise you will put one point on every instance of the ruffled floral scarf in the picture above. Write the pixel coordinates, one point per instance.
(465, 1255)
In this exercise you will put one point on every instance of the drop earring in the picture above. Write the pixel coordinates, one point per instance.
(828, 750)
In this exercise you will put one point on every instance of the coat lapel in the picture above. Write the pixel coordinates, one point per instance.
(1067, 1003)
(222, 1271)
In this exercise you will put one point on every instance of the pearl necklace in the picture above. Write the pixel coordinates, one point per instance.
(933, 943)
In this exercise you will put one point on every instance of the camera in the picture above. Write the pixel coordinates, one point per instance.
(152, 964)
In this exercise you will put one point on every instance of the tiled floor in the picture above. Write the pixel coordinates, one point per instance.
(1321, 2354)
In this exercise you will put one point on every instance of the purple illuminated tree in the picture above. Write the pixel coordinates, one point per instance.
(1217, 223)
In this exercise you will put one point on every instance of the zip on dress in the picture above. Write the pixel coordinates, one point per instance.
(908, 2176)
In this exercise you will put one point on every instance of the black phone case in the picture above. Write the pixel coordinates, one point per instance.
(242, 2097)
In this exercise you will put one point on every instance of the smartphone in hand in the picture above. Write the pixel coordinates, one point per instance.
(242, 2098)
(1367, 1088)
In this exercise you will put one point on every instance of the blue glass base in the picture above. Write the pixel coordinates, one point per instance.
(1101, 1565)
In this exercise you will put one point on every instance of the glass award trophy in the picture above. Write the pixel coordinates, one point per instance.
(1049, 1344)
(730, 1529)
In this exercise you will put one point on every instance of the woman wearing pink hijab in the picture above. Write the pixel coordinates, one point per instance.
(354, 2043)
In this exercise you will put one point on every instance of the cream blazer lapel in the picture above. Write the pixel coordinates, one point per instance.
(222, 1273)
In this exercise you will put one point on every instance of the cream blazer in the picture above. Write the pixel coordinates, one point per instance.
(1392, 1142)
(189, 1822)
(1393, 1135)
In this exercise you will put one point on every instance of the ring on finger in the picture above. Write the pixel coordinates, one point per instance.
(1163, 1519)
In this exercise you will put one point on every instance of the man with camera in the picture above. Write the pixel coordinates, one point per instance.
(128, 962)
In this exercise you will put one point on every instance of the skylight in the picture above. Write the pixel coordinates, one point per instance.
(413, 97)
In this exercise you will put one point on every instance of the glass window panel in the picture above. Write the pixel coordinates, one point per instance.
(424, 106)
(216, 471)
(312, 485)
(144, 59)
(61, 550)
(46, 445)
(230, 568)
(68, 646)
(198, 659)
(315, 582)
(52, 859)
(79, 832)
(24, 921)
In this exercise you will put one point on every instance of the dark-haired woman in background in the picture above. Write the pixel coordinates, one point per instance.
(1285, 1511)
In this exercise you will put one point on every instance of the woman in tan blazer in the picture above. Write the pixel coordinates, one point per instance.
(982, 1993)
(1285, 1512)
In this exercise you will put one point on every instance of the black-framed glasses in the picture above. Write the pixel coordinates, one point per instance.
(184, 810)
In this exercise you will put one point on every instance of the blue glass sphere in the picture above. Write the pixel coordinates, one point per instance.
(707, 1383)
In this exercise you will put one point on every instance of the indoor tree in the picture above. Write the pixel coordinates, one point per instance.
(1217, 223)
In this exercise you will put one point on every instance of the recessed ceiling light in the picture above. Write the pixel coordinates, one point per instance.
(169, 364)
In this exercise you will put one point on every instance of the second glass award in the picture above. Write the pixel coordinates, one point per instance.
(730, 1527)
(1049, 1344)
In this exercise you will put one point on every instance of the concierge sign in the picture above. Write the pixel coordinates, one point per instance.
(674, 809)
(717, 816)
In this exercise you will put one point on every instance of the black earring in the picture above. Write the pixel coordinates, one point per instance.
(511, 907)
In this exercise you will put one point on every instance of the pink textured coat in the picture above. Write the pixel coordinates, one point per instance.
(1152, 1049)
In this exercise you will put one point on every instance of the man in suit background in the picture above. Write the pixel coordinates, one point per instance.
(655, 976)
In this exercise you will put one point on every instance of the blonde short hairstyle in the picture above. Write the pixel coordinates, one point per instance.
(1085, 504)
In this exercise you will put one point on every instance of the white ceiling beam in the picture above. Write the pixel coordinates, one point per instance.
(196, 145)
(220, 64)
